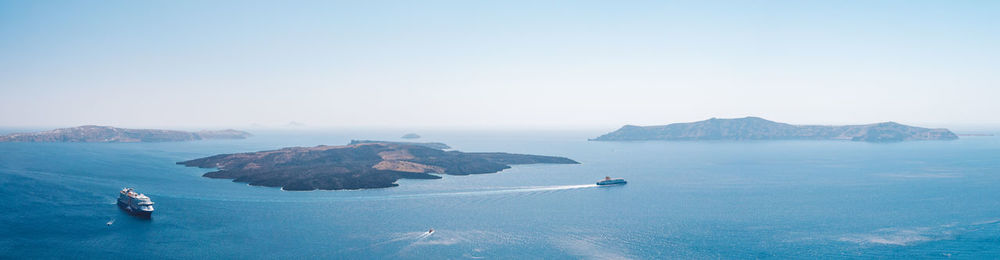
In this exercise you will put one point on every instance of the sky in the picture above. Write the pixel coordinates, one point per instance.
(496, 64)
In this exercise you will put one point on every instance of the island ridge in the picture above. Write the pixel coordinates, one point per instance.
(755, 128)
(107, 134)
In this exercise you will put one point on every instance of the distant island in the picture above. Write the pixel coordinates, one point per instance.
(755, 128)
(435, 145)
(975, 134)
(358, 165)
(107, 134)
(411, 136)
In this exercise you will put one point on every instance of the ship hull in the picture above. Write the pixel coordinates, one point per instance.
(134, 212)
(611, 182)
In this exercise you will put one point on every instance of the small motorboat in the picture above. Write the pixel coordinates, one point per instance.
(609, 181)
(430, 231)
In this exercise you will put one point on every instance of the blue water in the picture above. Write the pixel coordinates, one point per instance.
(782, 199)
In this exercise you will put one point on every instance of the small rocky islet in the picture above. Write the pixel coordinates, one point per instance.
(358, 165)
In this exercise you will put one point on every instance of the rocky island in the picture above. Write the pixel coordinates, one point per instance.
(107, 134)
(755, 128)
(358, 165)
(432, 145)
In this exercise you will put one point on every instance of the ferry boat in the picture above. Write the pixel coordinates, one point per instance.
(135, 203)
(609, 181)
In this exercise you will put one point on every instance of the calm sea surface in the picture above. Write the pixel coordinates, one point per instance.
(781, 199)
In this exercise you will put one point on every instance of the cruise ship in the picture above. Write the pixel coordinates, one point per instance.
(135, 203)
(609, 181)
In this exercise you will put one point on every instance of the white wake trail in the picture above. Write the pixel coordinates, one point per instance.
(517, 190)
(507, 190)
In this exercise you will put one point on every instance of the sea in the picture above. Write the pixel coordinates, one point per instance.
(683, 200)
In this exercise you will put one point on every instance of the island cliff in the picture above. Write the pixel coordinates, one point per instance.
(755, 128)
(359, 165)
(107, 134)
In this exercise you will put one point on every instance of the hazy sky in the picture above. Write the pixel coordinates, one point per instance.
(496, 64)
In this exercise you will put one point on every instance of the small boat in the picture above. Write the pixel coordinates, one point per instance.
(430, 231)
(609, 181)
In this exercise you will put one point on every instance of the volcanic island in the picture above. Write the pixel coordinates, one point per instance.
(359, 165)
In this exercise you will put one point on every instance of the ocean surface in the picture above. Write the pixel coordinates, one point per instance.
(730, 200)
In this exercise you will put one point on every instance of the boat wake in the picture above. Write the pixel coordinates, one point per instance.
(508, 190)
(906, 236)
(414, 244)
(515, 190)
(529, 189)
(424, 235)
(409, 239)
